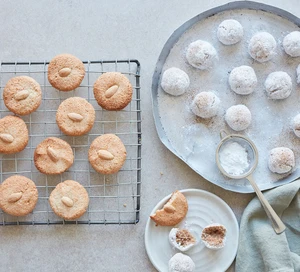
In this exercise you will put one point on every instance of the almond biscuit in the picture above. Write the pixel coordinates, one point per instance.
(13, 134)
(53, 156)
(65, 72)
(172, 212)
(75, 116)
(22, 95)
(107, 154)
(69, 200)
(113, 91)
(18, 195)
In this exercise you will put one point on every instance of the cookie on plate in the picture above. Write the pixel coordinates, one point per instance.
(75, 116)
(53, 156)
(172, 212)
(113, 91)
(69, 200)
(18, 195)
(22, 95)
(13, 134)
(65, 72)
(107, 154)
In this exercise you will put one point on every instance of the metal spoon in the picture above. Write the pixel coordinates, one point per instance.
(252, 153)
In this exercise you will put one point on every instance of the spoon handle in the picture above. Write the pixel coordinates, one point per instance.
(277, 224)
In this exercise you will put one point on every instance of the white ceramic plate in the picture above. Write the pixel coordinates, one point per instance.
(204, 208)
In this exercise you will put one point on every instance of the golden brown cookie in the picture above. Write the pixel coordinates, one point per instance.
(75, 116)
(107, 154)
(13, 134)
(65, 72)
(22, 95)
(53, 156)
(113, 91)
(172, 212)
(69, 200)
(18, 195)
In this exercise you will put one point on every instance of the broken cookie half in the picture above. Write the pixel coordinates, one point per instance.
(172, 212)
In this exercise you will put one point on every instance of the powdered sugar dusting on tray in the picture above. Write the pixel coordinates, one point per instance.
(196, 139)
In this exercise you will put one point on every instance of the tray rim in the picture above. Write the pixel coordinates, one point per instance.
(174, 37)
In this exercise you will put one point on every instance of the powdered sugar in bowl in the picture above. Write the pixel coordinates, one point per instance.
(237, 158)
(236, 155)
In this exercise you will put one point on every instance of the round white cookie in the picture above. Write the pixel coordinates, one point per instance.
(243, 80)
(230, 32)
(296, 125)
(206, 105)
(278, 85)
(291, 44)
(281, 160)
(262, 47)
(175, 81)
(238, 117)
(201, 55)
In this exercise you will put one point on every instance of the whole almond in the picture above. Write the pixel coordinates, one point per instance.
(111, 91)
(64, 72)
(76, 117)
(21, 95)
(8, 138)
(14, 197)
(105, 155)
(169, 208)
(52, 153)
(67, 201)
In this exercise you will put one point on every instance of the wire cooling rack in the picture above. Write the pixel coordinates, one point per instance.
(114, 199)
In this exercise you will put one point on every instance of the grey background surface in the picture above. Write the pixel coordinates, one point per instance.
(38, 30)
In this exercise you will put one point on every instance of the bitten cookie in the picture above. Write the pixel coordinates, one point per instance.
(53, 156)
(13, 134)
(113, 91)
(69, 200)
(172, 212)
(75, 116)
(22, 95)
(65, 72)
(18, 195)
(107, 154)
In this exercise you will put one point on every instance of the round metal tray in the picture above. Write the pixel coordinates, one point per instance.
(167, 131)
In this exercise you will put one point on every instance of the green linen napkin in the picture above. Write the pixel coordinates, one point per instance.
(260, 248)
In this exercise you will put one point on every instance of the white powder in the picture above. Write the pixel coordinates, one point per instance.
(234, 158)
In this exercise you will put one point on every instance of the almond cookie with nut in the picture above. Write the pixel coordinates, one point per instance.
(107, 154)
(53, 156)
(18, 195)
(69, 200)
(113, 91)
(13, 134)
(172, 212)
(65, 72)
(22, 95)
(75, 116)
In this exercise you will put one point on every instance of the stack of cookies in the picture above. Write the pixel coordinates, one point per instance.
(75, 116)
